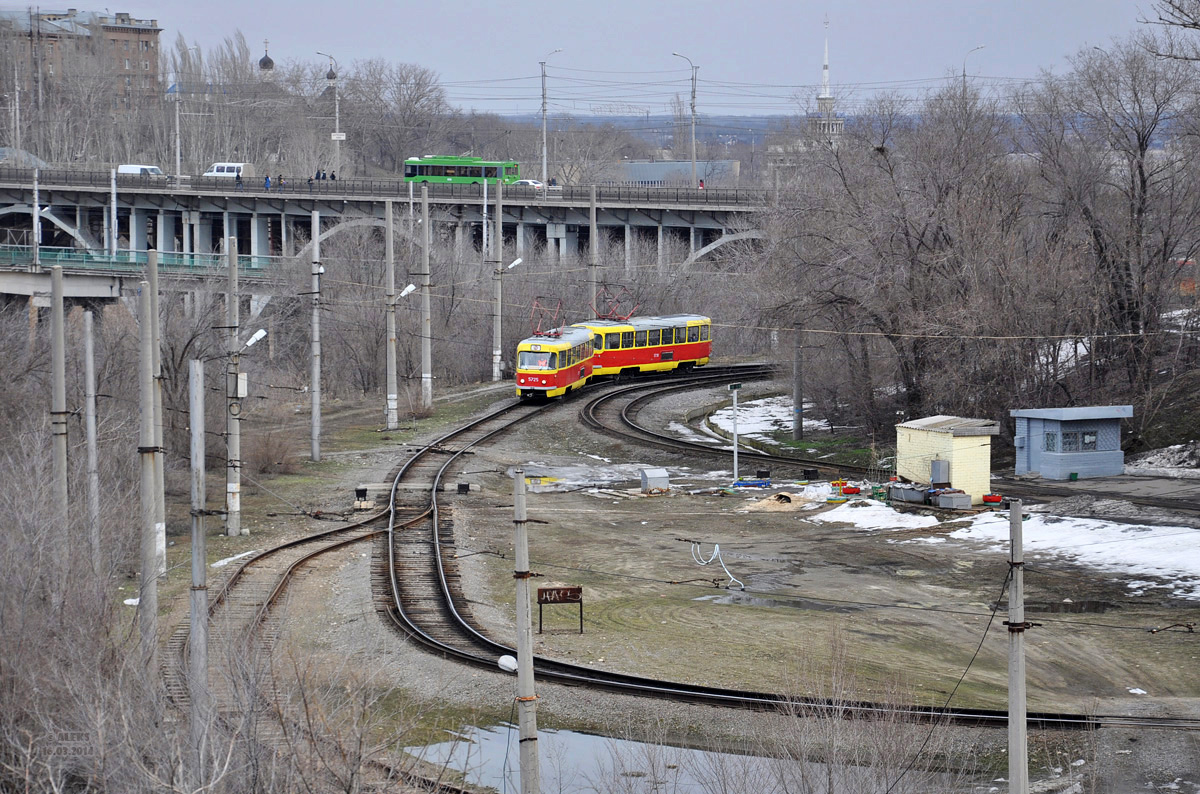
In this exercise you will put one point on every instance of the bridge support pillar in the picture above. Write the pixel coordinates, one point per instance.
(228, 229)
(460, 245)
(260, 237)
(628, 248)
(165, 231)
(521, 239)
(204, 234)
(137, 230)
(661, 261)
(285, 235)
(691, 239)
(186, 231)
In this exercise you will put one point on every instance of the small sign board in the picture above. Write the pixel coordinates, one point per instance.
(337, 136)
(560, 595)
(735, 386)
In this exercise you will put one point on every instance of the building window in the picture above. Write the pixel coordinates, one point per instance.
(146, 66)
(1051, 442)
(1070, 442)
(1089, 442)
(126, 63)
(145, 45)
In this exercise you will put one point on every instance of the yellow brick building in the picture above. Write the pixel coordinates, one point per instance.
(962, 449)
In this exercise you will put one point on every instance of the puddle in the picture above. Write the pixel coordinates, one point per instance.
(580, 763)
(744, 599)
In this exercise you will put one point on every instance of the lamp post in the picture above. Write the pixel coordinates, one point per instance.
(964, 66)
(543, 65)
(178, 99)
(695, 69)
(331, 78)
(497, 349)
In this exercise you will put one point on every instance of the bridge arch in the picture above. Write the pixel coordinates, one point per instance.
(353, 223)
(753, 234)
(87, 244)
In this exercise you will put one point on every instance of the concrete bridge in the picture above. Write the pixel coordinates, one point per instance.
(101, 224)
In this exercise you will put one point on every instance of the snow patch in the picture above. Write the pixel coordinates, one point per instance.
(867, 514)
(227, 560)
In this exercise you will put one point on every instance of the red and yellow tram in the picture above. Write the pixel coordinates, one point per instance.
(553, 364)
(650, 344)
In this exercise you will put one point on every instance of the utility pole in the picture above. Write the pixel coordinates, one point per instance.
(593, 251)
(16, 110)
(543, 65)
(315, 374)
(964, 67)
(89, 423)
(526, 696)
(36, 240)
(114, 228)
(733, 387)
(148, 595)
(798, 385)
(426, 320)
(497, 256)
(233, 405)
(58, 402)
(160, 503)
(695, 69)
(1018, 751)
(198, 613)
(178, 156)
(391, 416)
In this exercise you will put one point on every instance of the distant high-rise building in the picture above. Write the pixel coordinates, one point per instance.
(116, 48)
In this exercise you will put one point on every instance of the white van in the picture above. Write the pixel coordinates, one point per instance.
(140, 170)
(230, 170)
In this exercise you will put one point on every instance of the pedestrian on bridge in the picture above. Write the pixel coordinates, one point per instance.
(267, 182)
(237, 181)
(333, 175)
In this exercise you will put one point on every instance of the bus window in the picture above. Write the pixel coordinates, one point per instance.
(489, 172)
(652, 337)
(640, 339)
(704, 333)
(510, 170)
(693, 333)
(410, 170)
(450, 170)
(612, 341)
(437, 170)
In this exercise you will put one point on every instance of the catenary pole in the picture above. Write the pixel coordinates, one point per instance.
(198, 612)
(526, 694)
(58, 402)
(114, 227)
(233, 405)
(160, 501)
(735, 436)
(36, 236)
(593, 252)
(1018, 752)
(148, 595)
(89, 423)
(426, 320)
(391, 418)
(798, 385)
(315, 375)
(497, 256)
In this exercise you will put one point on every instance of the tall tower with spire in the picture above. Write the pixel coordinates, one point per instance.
(825, 125)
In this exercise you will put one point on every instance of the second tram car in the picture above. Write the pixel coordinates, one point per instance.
(650, 344)
(553, 364)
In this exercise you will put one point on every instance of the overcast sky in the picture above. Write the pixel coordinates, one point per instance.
(754, 55)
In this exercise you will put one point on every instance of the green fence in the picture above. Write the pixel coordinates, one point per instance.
(170, 262)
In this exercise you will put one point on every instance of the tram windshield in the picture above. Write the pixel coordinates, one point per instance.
(537, 360)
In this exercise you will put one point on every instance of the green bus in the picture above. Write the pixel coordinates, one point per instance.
(462, 170)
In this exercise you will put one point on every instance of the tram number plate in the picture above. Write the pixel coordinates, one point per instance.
(560, 595)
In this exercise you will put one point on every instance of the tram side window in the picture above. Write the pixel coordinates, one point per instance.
(653, 336)
(612, 341)
(599, 342)
(627, 339)
(640, 339)
(693, 333)
(680, 335)
(704, 333)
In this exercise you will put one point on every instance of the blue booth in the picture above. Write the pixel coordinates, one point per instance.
(1070, 443)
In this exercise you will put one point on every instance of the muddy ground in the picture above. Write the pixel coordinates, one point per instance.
(901, 613)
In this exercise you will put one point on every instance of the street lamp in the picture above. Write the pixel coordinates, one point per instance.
(543, 65)
(497, 348)
(178, 99)
(695, 69)
(964, 67)
(331, 78)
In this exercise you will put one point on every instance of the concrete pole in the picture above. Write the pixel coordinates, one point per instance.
(593, 251)
(160, 506)
(484, 250)
(315, 374)
(89, 422)
(426, 320)
(36, 236)
(178, 157)
(1018, 751)
(148, 595)
(498, 261)
(58, 401)
(391, 416)
(798, 386)
(198, 614)
(233, 405)
(735, 437)
(628, 248)
(526, 695)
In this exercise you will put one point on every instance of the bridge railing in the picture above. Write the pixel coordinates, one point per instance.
(134, 262)
(391, 188)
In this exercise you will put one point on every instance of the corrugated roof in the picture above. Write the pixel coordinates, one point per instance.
(955, 425)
